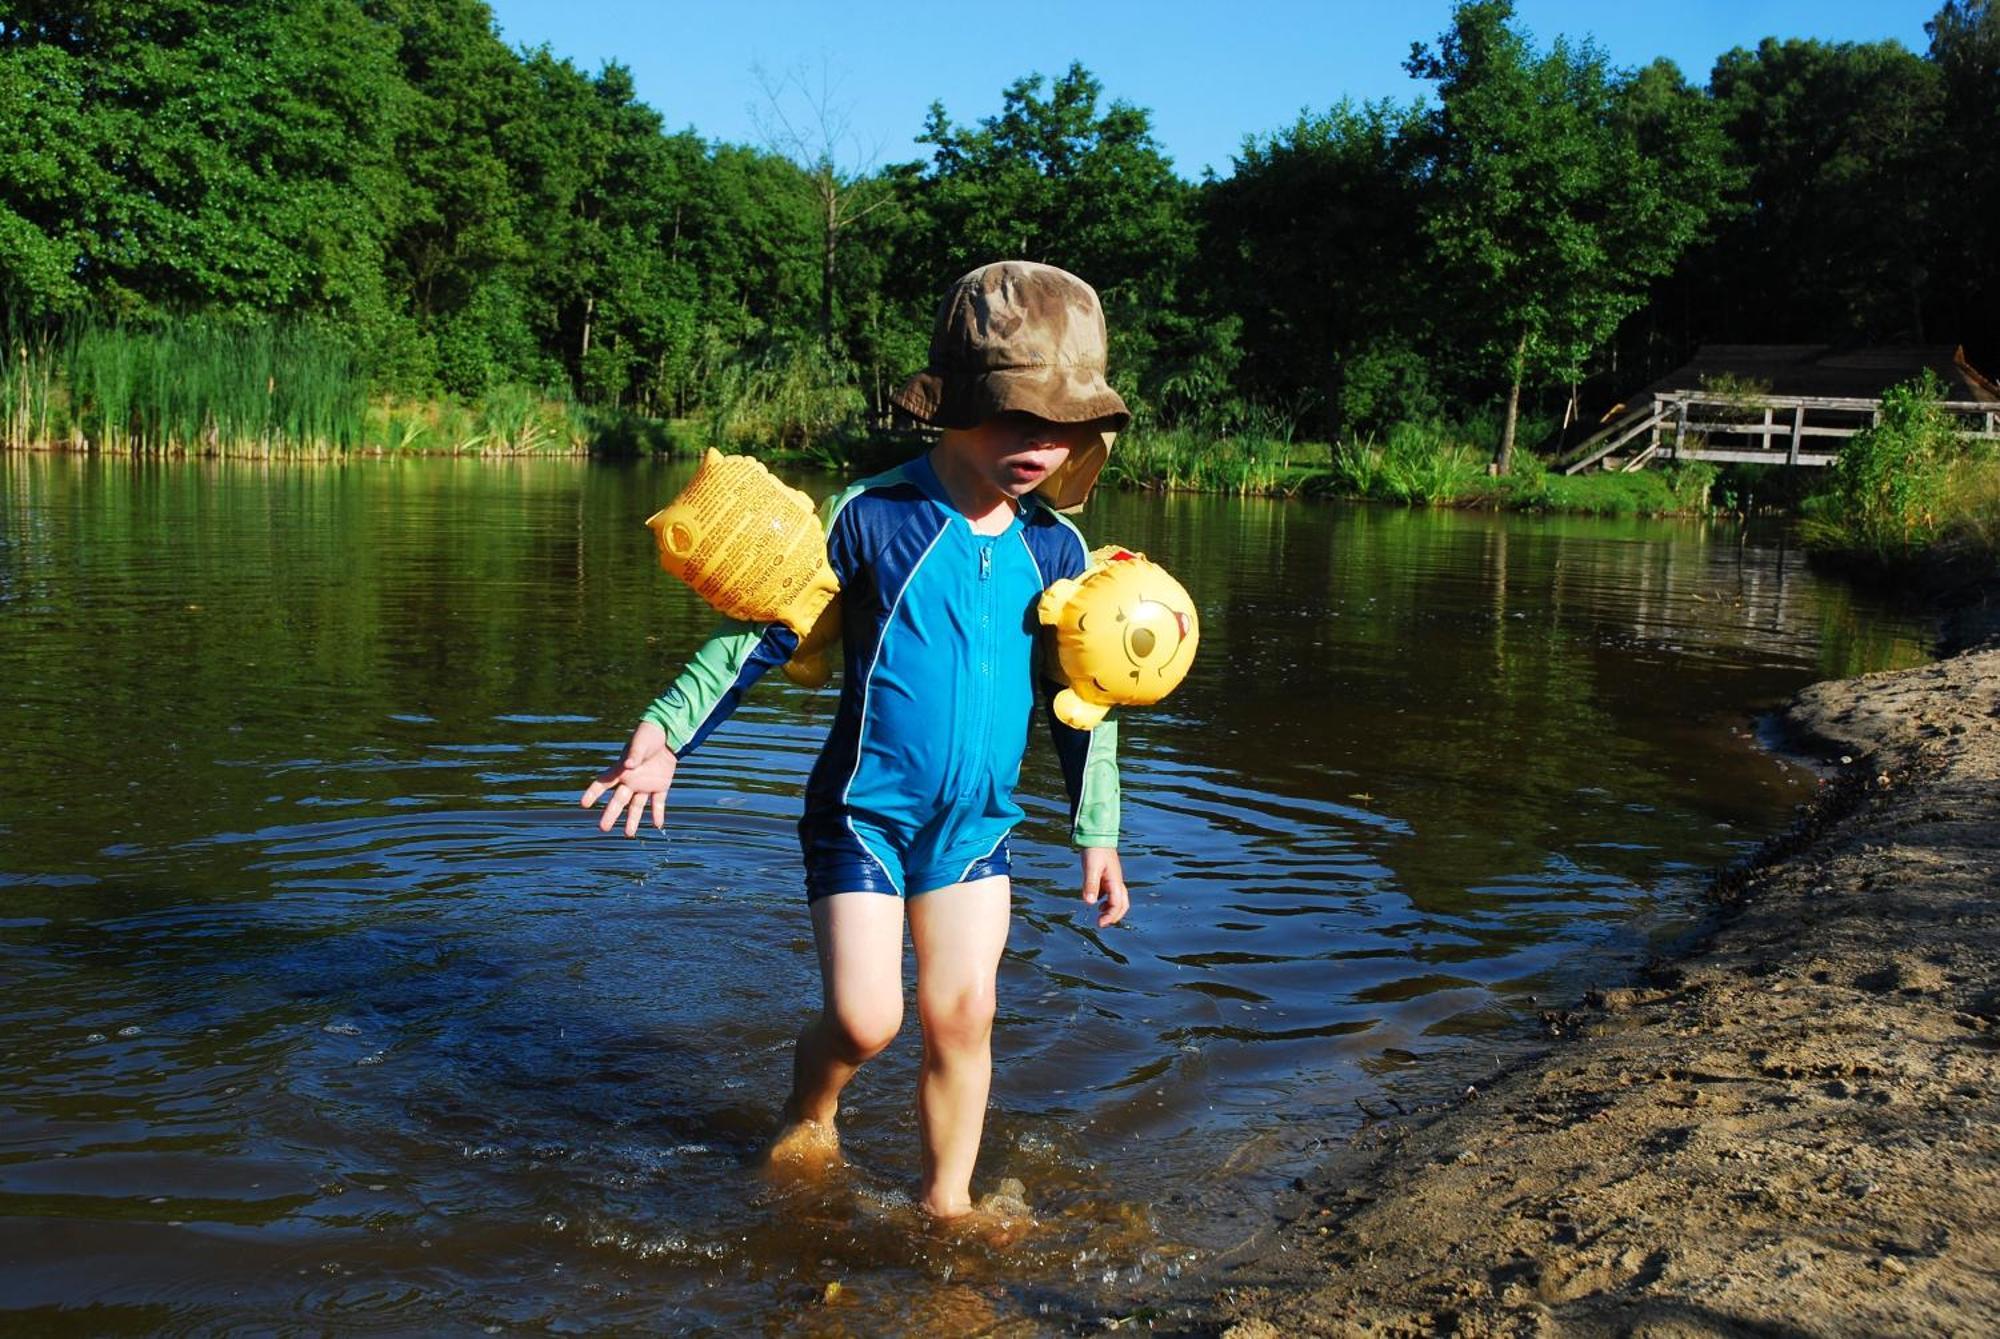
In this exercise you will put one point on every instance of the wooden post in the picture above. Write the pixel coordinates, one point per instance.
(1798, 433)
(1680, 427)
(1653, 433)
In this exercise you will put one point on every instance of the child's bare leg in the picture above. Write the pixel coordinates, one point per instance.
(860, 939)
(959, 933)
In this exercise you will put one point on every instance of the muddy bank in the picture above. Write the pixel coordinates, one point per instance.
(1793, 1129)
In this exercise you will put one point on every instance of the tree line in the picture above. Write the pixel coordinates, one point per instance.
(466, 216)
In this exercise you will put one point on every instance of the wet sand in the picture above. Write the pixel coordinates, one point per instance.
(1792, 1128)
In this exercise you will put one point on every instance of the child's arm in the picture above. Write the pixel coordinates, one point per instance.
(1090, 774)
(701, 698)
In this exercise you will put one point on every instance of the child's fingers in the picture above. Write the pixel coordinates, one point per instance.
(1117, 901)
(660, 809)
(606, 779)
(619, 799)
(632, 815)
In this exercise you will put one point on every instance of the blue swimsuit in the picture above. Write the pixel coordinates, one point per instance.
(915, 787)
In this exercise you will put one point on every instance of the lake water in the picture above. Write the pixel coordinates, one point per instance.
(325, 1008)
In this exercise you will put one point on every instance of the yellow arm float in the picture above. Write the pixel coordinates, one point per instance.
(751, 547)
(1125, 634)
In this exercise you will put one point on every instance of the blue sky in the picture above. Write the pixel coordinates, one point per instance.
(1209, 72)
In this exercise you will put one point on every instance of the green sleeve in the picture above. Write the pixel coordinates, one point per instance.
(708, 689)
(735, 657)
(1097, 806)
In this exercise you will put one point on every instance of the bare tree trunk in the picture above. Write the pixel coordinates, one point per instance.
(583, 349)
(1503, 459)
(826, 269)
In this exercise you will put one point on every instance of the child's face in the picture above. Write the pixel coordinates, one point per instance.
(1016, 451)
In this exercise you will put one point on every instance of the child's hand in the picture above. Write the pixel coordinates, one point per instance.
(1104, 877)
(642, 775)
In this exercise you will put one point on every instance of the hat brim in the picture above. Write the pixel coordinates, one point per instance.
(1058, 394)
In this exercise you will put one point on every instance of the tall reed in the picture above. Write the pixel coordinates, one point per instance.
(191, 387)
(30, 401)
(1192, 460)
(791, 395)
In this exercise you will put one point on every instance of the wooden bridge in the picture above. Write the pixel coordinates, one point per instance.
(1760, 430)
(1777, 404)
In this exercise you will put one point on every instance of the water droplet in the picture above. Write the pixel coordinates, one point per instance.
(129, 1030)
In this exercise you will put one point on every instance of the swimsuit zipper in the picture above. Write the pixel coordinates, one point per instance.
(977, 765)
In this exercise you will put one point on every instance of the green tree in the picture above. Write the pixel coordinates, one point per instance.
(455, 253)
(1547, 216)
(1055, 178)
(810, 128)
(1314, 242)
(1965, 50)
(165, 156)
(49, 179)
(1836, 234)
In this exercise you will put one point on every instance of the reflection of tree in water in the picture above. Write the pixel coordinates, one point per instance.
(1537, 698)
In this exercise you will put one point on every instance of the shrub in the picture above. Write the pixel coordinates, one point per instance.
(1886, 492)
(789, 395)
(1419, 462)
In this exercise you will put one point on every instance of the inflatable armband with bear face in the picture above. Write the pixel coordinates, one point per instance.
(1125, 632)
(751, 547)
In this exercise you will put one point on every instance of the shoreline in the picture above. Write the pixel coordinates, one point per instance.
(1791, 1127)
(1309, 487)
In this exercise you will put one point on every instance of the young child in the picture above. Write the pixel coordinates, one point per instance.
(907, 812)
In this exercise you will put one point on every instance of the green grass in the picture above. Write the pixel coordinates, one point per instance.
(248, 389)
(507, 421)
(1425, 463)
(1888, 497)
(790, 397)
(254, 389)
(1972, 522)
(1909, 498)
(1185, 460)
(1434, 463)
(1673, 491)
(1418, 463)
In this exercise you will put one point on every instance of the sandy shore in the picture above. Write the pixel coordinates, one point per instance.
(1794, 1129)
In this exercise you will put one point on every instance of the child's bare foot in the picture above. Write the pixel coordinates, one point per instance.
(999, 1219)
(805, 1150)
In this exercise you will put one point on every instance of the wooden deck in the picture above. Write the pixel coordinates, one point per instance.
(1767, 430)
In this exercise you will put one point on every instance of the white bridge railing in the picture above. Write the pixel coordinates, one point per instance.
(1763, 429)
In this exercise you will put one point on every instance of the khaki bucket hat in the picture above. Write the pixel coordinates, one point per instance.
(1024, 337)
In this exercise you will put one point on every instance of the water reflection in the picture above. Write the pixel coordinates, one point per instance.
(327, 1008)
